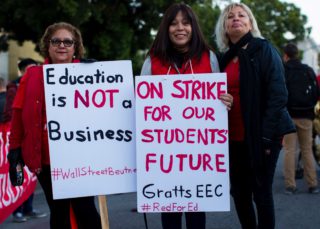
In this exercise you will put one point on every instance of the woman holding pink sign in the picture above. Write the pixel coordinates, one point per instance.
(61, 43)
(180, 48)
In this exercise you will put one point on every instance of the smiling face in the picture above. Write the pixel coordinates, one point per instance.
(237, 24)
(180, 32)
(60, 53)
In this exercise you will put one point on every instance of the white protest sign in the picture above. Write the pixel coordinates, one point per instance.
(90, 122)
(182, 143)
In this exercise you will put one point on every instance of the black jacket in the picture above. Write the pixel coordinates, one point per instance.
(294, 68)
(267, 90)
(263, 97)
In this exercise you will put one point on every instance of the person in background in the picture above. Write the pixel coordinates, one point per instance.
(12, 87)
(2, 97)
(180, 48)
(303, 95)
(25, 210)
(61, 43)
(316, 128)
(258, 119)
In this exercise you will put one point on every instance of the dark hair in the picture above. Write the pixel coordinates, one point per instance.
(162, 46)
(291, 50)
(26, 62)
(78, 45)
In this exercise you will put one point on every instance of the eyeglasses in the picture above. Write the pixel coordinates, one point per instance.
(56, 42)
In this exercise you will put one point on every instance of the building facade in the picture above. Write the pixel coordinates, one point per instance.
(310, 50)
(9, 60)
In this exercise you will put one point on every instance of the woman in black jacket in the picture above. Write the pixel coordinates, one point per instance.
(258, 119)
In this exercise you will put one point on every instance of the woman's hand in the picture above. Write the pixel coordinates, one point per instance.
(227, 100)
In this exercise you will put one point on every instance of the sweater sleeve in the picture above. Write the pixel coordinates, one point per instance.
(19, 98)
(214, 62)
(16, 132)
(146, 67)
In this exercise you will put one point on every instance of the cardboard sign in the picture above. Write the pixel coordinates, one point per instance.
(182, 143)
(90, 122)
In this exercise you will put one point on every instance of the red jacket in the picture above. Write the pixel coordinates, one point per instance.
(28, 127)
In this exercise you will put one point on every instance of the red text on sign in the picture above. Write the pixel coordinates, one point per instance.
(167, 162)
(192, 136)
(198, 113)
(98, 98)
(149, 90)
(157, 113)
(195, 89)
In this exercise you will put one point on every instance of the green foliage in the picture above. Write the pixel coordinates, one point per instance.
(276, 18)
(120, 29)
(208, 17)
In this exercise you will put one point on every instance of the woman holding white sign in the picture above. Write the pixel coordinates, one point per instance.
(180, 48)
(61, 43)
(258, 119)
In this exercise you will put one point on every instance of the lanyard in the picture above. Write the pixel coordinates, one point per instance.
(185, 68)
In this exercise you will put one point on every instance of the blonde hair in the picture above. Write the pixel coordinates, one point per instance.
(220, 31)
